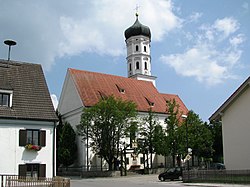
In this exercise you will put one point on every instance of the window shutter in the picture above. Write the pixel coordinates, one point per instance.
(22, 168)
(42, 170)
(22, 137)
(43, 138)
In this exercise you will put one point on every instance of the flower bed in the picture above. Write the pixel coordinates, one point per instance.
(33, 147)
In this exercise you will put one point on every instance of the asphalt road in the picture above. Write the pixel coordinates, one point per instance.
(138, 181)
(129, 181)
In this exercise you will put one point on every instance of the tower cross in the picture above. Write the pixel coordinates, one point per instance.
(137, 9)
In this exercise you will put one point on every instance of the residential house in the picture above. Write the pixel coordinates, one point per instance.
(27, 121)
(233, 114)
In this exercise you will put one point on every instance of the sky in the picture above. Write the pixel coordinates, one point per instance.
(199, 48)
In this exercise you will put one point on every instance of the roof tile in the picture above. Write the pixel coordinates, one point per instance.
(31, 98)
(91, 86)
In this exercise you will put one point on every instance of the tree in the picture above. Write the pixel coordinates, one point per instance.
(199, 137)
(59, 128)
(105, 125)
(148, 133)
(67, 148)
(160, 141)
(216, 130)
(173, 122)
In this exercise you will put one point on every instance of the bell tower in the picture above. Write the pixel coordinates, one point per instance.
(138, 38)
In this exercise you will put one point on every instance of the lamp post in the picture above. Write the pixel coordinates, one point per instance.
(187, 149)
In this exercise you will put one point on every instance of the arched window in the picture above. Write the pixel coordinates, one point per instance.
(137, 65)
(146, 65)
(130, 67)
(136, 48)
(145, 49)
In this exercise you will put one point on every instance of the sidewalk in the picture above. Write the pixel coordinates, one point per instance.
(216, 185)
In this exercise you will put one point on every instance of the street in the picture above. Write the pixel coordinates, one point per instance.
(139, 181)
(129, 181)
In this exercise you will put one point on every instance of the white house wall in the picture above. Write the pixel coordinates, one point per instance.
(236, 133)
(12, 154)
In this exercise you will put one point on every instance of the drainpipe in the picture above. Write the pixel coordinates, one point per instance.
(53, 150)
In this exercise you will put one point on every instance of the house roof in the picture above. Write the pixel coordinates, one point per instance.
(31, 98)
(93, 86)
(217, 114)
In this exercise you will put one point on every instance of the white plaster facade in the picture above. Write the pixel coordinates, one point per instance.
(234, 115)
(12, 155)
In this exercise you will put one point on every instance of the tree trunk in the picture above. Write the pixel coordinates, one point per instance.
(173, 159)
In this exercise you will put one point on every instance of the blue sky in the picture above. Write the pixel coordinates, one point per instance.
(199, 49)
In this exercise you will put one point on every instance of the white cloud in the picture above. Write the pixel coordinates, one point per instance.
(195, 16)
(237, 40)
(54, 100)
(226, 25)
(214, 53)
(46, 30)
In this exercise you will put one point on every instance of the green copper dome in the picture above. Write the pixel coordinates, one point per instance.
(137, 29)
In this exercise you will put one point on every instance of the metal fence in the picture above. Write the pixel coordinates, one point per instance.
(19, 181)
(217, 176)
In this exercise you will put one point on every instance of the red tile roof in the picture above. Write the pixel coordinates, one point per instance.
(92, 86)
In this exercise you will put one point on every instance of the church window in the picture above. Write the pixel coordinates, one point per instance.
(145, 49)
(130, 67)
(137, 65)
(146, 66)
(136, 48)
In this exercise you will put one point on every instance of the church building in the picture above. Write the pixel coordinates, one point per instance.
(84, 89)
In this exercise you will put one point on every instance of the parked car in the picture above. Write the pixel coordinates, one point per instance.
(172, 173)
(218, 166)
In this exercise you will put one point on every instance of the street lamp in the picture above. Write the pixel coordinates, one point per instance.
(187, 149)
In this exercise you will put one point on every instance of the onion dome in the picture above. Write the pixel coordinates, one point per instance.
(137, 29)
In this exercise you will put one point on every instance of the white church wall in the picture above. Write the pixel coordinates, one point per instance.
(69, 101)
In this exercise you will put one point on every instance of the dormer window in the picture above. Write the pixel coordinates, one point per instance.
(103, 95)
(121, 90)
(150, 103)
(6, 98)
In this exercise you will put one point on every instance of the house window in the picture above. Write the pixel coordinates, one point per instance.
(136, 48)
(32, 170)
(146, 65)
(4, 99)
(137, 65)
(145, 49)
(32, 136)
